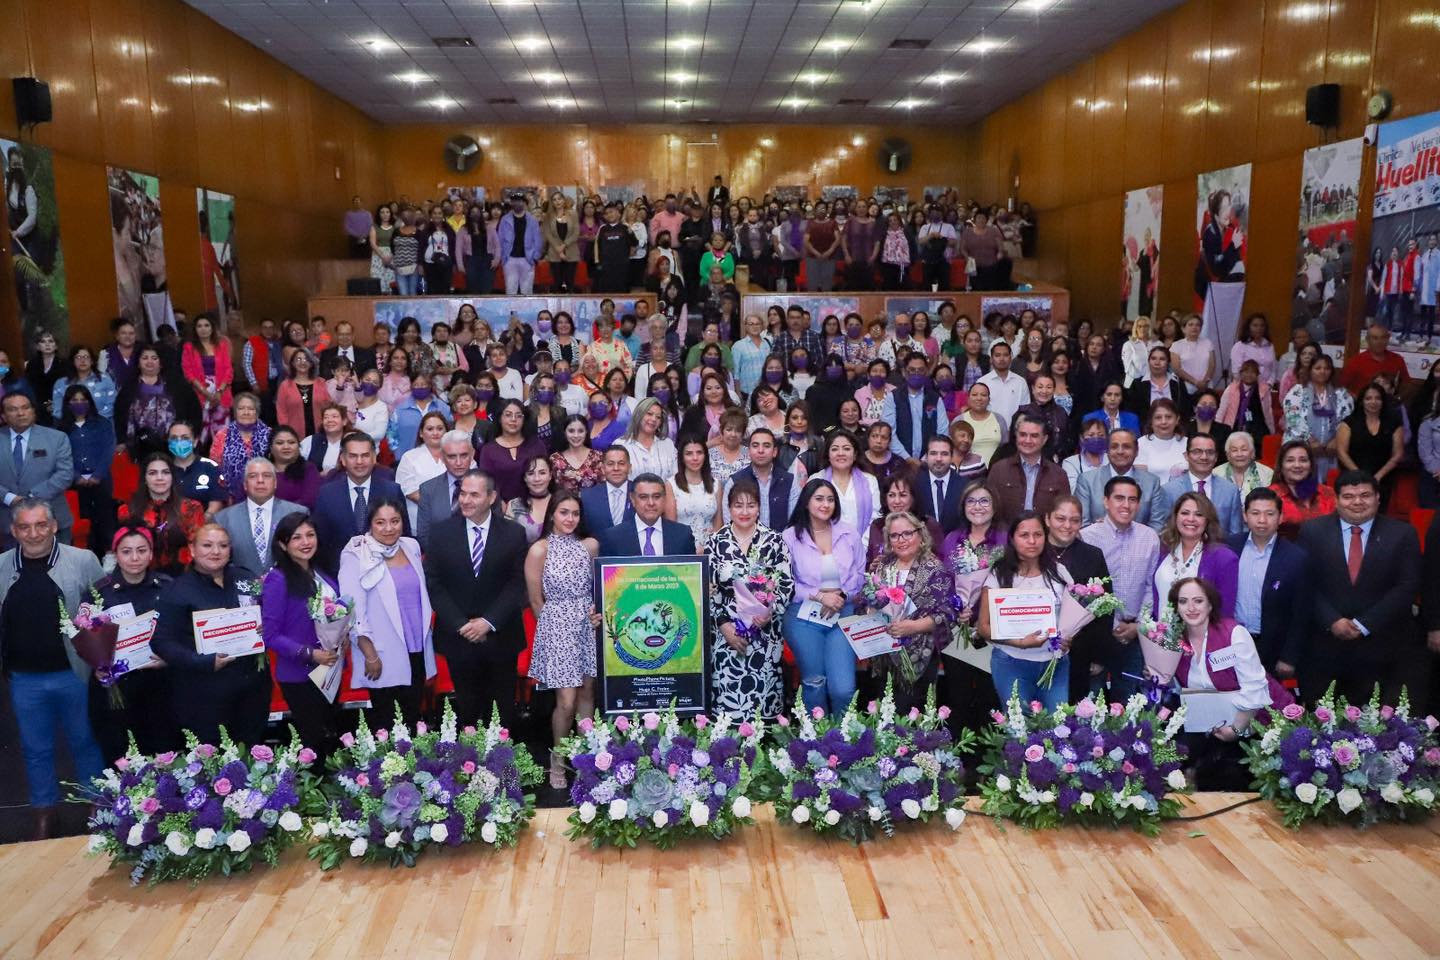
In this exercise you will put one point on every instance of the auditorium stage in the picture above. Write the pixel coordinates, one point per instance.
(1243, 887)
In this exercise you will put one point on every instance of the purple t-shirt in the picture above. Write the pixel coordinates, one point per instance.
(407, 594)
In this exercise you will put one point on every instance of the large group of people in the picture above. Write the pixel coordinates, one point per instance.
(455, 485)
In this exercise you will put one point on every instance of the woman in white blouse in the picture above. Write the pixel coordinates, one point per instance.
(372, 415)
(1193, 358)
(1162, 450)
(651, 450)
(422, 462)
(857, 491)
(1136, 351)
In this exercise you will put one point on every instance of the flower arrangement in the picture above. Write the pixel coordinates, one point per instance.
(661, 778)
(393, 794)
(93, 632)
(971, 565)
(866, 771)
(211, 809)
(1088, 762)
(1163, 643)
(755, 596)
(1341, 763)
(1081, 605)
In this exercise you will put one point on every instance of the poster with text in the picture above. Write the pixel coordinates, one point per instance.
(1222, 225)
(1140, 273)
(791, 193)
(220, 286)
(1405, 234)
(1324, 250)
(653, 635)
(33, 223)
(139, 243)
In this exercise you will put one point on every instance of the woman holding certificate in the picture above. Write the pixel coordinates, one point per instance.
(380, 571)
(1193, 545)
(1031, 575)
(213, 683)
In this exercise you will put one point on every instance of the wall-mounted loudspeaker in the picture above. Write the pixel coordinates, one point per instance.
(32, 101)
(1322, 105)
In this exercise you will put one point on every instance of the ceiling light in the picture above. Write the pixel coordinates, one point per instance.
(1035, 6)
(766, 142)
(795, 102)
(379, 44)
(680, 76)
(836, 44)
(983, 46)
(413, 77)
(559, 103)
(857, 141)
(910, 103)
(943, 78)
(442, 102)
(811, 77)
(529, 43)
(683, 43)
(549, 76)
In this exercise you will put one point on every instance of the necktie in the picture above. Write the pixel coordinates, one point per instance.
(360, 510)
(477, 552)
(617, 505)
(939, 496)
(650, 543)
(1355, 555)
(454, 494)
(257, 529)
(1202, 489)
(19, 454)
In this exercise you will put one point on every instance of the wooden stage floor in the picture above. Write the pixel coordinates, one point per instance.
(1245, 888)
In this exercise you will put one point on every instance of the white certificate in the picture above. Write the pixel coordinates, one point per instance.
(234, 632)
(327, 679)
(1016, 613)
(867, 635)
(132, 641)
(1206, 710)
(812, 611)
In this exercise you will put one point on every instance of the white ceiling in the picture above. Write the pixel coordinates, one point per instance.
(630, 61)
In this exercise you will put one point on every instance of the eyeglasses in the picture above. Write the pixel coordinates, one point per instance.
(979, 502)
(903, 534)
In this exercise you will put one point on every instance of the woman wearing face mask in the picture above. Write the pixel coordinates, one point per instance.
(296, 478)
(712, 366)
(409, 414)
(660, 389)
(372, 415)
(798, 442)
(92, 448)
(860, 350)
(546, 413)
(1204, 418)
(798, 373)
(1092, 455)
(950, 393)
(82, 372)
(829, 393)
(247, 436)
(773, 373)
(606, 426)
(872, 395)
(578, 465)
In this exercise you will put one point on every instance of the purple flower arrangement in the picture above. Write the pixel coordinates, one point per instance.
(211, 809)
(1092, 763)
(1342, 763)
(867, 770)
(394, 794)
(660, 778)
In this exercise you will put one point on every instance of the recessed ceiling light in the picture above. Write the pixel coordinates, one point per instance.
(910, 103)
(983, 45)
(680, 101)
(1035, 6)
(529, 43)
(549, 76)
(942, 78)
(837, 44)
(812, 77)
(413, 77)
(683, 43)
(442, 102)
(560, 103)
(795, 102)
(378, 44)
(680, 76)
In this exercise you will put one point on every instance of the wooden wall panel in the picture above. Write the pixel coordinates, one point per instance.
(1108, 126)
(1145, 104)
(64, 59)
(172, 102)
(1234, 91)
(210, 95)
(1407, 54)
(122, 84)
(1274, 226)
(1293, 59)
(1348, 58)
(1187, 87)
(1178, 248)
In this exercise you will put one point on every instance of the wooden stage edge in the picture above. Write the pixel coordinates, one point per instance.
(1235, 885)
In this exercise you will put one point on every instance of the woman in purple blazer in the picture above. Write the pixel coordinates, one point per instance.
(289, 630)
(1192, 544)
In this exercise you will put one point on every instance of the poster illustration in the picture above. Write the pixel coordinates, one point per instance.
(932, 193)
(1222, 224)
(138, 237)
(832, 193)
(654, 633)
(791, 193)
(892, 198)
(1140, 272)
(1044, 307)
(497, 311)
(33, 223)
(820, 306)
(1325, 252)
(220, 284)
(1405, 234)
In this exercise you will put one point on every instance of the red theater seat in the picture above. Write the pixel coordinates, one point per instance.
(124, 476)
(1270, 449)
(80, 532)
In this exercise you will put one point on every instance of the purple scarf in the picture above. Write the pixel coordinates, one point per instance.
(234, 455)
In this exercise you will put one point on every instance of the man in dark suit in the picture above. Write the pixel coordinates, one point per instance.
(1272, 601)
(1083, 561)
(251, 523)
(1202, 453)
(1026, 481)
(606, 504)
(1090, 491)
(647, 534)
(440, 496)
(361, 358)
(34, 462)
(475, 571)
(1364, 572)
(342, 506)
(939, 487)
(718, 192)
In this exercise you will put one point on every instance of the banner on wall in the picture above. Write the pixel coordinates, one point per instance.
(1325, 254)
(1405, 234)
(497, 311)
(138, 236)
(1044, 307)
(219, 281)
(890, 198)
(1140, 270)
(1222, 224)
(834, 192)
(819, 307)
(34, 226)
(791, 193)
(935, 192)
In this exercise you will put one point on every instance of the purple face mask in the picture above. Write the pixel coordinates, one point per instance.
(945, 384)
(484, 395)
(835, 373)
(421, 393)
(1205, 414)
(599, 411)
(774, 377)
(902, 330)
(711, 362)
(877, 382)
(369, 389)
(853, 331)
(1094, 445)
(543, 325)
(800, 363)
(78, 408)
(916, 380)
(562, 377)
(544, 397)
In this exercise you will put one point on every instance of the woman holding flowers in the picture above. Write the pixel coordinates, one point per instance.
(910, 583)
(749, 580)
(296, 595)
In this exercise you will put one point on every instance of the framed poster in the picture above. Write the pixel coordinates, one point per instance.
(655, 633)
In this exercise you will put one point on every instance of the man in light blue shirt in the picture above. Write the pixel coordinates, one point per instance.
(747, 355)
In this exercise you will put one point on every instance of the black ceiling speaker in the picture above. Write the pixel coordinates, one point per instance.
(462, 153)
(32, 101)
(895, 155)
(1322, 105)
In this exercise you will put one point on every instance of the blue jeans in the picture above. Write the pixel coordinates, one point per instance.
(1128, 660)
(43, 702)
(827, 664)
(408, 284)
(1023, 676)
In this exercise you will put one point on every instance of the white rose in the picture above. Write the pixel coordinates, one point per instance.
(800, 814)
(832, 817)
(1002, 783)
(176, 843)
(290, 821)
(1392, 792)
(439, 832)
(1424, 796)
(930, 804)
(95, 844)
(1348, 799)
(660, 818)
(1307, 792)
(205, 838)
(910, 808)
(392, 839)
(1175, 779)
(875, 813)
(358, 847)
(1087, 799)
(1138, 802)
(741, 807)
(955, 817)
(489, 832)
(587, 812)
(136, 835)
(699, 814)
(320, 830)
(239, 841)
(618, 809)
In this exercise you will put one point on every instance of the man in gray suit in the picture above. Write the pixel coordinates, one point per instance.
(439, 495)
(34, 462)
(251, 522)
(1201, 454)
(1124, 446)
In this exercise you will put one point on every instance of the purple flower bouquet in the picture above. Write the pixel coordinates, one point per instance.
(1090, 763)
(660, 778)
(1346, 764)
(394, 794)
(212, 809)
(867, 770)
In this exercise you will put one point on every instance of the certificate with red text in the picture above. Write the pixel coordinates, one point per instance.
(1015, 613)
(233, 632)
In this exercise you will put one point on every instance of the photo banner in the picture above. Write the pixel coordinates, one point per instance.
(138, 237)
(497, 311)
(1406, 232)
(33, 223)
(1044, 307)
(819, 306)
(1222, 225)
(1325, 251)
(1140, 273)
(219, 282)
(654, 633)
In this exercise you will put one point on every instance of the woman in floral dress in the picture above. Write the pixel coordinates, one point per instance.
(747, 558)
